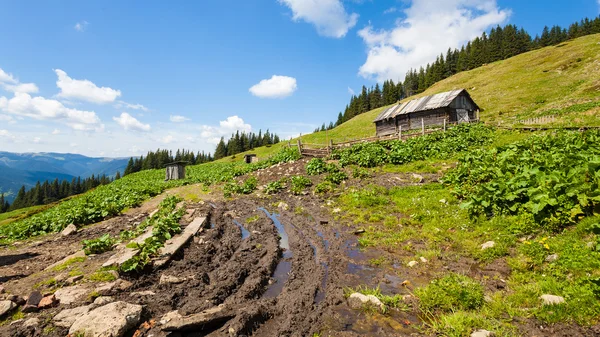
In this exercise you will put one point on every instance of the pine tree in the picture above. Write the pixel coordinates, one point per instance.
(221, 150)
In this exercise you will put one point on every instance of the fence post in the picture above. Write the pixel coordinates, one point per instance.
(422, 127)
(400, 133)
(444, 124)
(300, 146)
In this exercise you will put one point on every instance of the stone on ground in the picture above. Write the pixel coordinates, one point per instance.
(204, 319)
(67, 317)
(169, 279)
(69, 230)
(102, 300)
(482, 333)
(32, 302)
(487, 245)
(77, 254)
(111, 320)
(552, 299)
(6, 306)
(358, 300)
(412, 263)
(109, 288)
(68, 295)
(552, 258)
(32, 322)
(48, 302)
(73, 279)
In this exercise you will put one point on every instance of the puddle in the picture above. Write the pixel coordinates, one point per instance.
(320, 296)
(212, 225)
(282, 271)
(280, 276)
(283, 241)
(325, 241)
(245, 232)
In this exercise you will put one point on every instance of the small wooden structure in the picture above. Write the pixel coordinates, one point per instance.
(175, 170)
(450, 107)
(250, 158)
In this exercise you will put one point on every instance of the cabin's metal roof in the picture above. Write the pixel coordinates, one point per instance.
(436, 101)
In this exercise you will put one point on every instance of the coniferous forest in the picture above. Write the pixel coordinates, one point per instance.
(241, 142)
(49, 192)
(501, 43)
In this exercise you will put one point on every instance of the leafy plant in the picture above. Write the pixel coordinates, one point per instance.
(315, 167)
(299, 183)
(274, 186)
(247, 187)
(451, 292)
(336, 177)
(324, 187)
(99, 245)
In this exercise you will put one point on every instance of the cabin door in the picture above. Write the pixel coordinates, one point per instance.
(462, 115)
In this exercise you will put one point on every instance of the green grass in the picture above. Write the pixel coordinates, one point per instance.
(69, 263)
(391, 301)
(450, 293)
(8, 217)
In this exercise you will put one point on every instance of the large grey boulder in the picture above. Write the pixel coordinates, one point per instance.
(6, 306)
(67, 317)
(68, 295)
(111, 320)
(69, 230)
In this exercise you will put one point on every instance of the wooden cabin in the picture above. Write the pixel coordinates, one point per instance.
(175, 170)
(454, 106)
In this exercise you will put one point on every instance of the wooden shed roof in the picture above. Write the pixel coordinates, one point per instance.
(425, 103)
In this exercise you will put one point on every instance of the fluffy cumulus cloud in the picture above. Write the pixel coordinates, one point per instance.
(213, 134)
(9, 83)
(84, 90)
(128, 122)
(427, 28)
(40, 108)
(328, 16)
(274, 87)
(178, 119)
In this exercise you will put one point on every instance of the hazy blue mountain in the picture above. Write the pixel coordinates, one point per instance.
(17, 169)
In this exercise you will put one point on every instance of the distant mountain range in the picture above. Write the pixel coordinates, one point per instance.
(18, 169)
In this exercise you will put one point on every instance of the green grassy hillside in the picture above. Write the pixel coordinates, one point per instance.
(561, 81)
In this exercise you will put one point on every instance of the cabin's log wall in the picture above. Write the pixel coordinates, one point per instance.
(385, 127)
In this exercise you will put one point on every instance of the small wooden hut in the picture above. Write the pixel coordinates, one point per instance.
(175, 170)
(454, 106)
(250, 158)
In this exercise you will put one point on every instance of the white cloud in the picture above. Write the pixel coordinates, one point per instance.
(275, 87)
(428, 29)
(351, 92)
(168, 139)
(390, 10)
(213, 134)
(81, 26)
(84, 90)
(7, 135)
(6, 118)
(328, 16)
(122, 104)
(56, 132)
(129, 122)
(10, 83)
(40, 108)
(178, 119)
(37, 140)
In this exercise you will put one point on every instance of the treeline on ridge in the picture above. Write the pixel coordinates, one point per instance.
(241, 142)
(159, 158)
(49, 192)
(501, 43)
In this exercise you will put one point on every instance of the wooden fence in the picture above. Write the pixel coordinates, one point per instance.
(538, 120)
(323, 150)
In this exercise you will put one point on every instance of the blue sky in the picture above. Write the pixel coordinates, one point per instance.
(117, 78)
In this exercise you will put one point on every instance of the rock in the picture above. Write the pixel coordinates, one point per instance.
(32, 322)
(77, 254)
(106, 289)
(114, 320)
(31, 305)
(424, 260)
(74, 279)
(69, 230)
(552, 258)
(6, 306)
(482, 333)
(444, 201)
(102, 300)
(359, 231)
(205, 319)
(168, 279)
(412, 263)
(143, 293)
(336, 210)
(552, 299)
(67, 317)
(15, 298)
(417, 178)
(60, 278)
(282, 205)
(48, 302)
(114, 273)
(358, 300)
(2, 290)
(169, 317)
(487, 245)
(68, 295)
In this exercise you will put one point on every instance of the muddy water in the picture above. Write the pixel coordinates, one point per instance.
(245, 232)
(284, 266)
